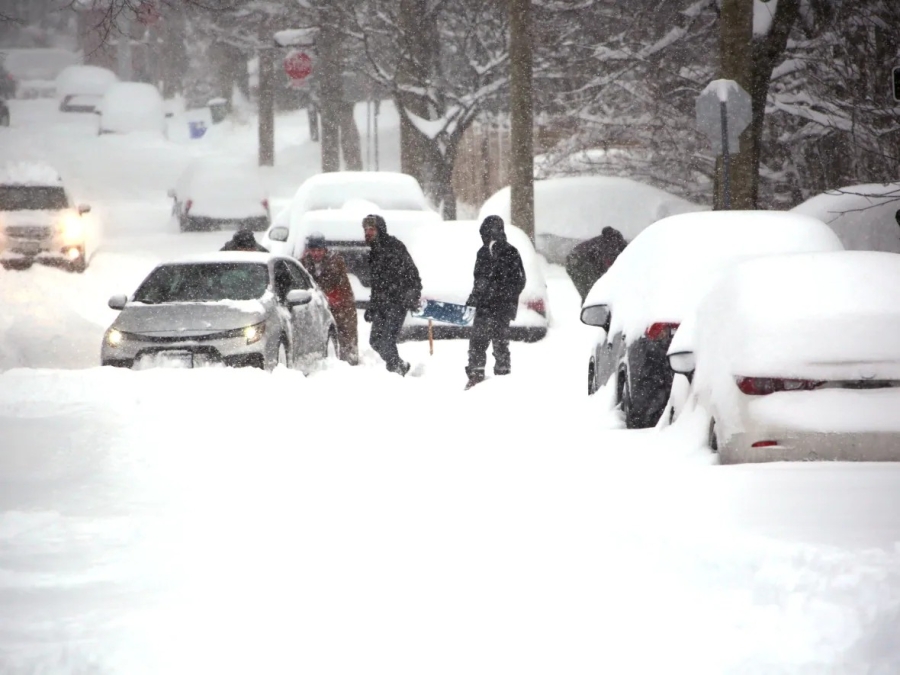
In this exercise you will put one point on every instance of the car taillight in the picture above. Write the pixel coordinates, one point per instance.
(765, 444)
(761, 386)
(660, 331)
(537, 306)
(265, 203)
(187, 205)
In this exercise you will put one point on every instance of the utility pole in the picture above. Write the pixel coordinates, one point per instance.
(736, 63)
(521, 116)
(123, 49)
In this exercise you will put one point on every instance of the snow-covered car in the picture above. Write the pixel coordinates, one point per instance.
(35, 69)
(81, 88)
(445, 255)
(212, 195)
(570, 210)
(39, 221)
(334, 205)
(128, 107)
(231, 308)
(657, 283)
(864, 217)
(797, 357)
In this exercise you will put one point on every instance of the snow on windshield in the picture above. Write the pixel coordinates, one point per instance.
(210, 282)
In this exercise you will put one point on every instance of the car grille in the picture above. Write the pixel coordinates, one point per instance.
(29, 231)
(171, 339)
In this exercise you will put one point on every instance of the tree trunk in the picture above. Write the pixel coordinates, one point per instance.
(735, 37)
(521, 116)
(350, 141)
(330, 98)
(420, 45)
(266, 107)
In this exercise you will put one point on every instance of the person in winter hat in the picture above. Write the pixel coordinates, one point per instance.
(499, 280)
(396, 289)
(591, 259)
(330, 272)
(243, 240)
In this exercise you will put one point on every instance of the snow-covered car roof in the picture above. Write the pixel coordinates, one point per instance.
(388, 189)
(664, 273)
(800, 315)
(223, 257)
(84, 80)
(37, 174)
(132, 106)
(579, 207)
(222, 189)
(346, 224)
(862, 216)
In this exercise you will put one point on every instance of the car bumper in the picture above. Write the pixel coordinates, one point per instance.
(186, 353)
(449, 332)
(54, 247)
(811, 446)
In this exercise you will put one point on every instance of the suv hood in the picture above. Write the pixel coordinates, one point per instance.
(189, 318)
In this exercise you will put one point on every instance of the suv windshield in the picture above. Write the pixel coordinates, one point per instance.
(32, 198)
(204, 282)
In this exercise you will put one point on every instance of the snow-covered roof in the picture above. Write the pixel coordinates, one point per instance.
(85, 80)
(664, 273)
(29, 173)
(222, 257)
(579, 207)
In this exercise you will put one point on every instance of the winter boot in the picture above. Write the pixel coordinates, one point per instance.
(501, 371)
(402, 368)
(475, 376)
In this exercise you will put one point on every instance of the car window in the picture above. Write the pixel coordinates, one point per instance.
(32, 198)
(204, 282)
(301, 276)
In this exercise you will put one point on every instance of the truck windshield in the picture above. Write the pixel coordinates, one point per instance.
(32, 198)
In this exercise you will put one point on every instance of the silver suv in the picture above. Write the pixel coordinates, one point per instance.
(39, 222)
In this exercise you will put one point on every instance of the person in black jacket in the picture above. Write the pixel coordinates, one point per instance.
(395, 288)
(243, 240)
(499, 280)
(591, 259)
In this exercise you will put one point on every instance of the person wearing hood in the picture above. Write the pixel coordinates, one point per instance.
(591, 259)
(243, 240)
(499, 280)
(330, 272)
(395, 289)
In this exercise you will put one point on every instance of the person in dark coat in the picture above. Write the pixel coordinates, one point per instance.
(396, 289)
(499, 280)
(243, 240)
(591, 259)
(330, 272)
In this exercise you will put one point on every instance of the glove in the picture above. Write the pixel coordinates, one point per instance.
(411, 300)
(471, 301)
(367, 315)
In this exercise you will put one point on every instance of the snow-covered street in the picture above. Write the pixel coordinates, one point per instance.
(237, 521)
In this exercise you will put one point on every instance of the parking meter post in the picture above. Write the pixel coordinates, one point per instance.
(726, 157)
(430, 338)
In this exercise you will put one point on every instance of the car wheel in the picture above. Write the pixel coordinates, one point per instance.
(332, 348)
(713, 440)
(633, 418)
(591, 389)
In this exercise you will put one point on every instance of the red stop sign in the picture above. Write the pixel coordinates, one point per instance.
(298, 66)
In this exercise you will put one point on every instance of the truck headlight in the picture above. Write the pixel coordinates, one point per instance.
(72, 228)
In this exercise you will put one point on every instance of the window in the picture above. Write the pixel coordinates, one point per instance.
(204, 282)
(32, 198)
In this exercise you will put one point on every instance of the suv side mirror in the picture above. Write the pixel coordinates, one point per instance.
(683, 363)
(83, 208)
(596, 315)
(279, 233)
(118, 302)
